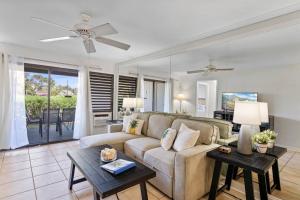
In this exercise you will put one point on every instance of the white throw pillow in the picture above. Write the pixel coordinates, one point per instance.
(168, 138)
(135, 126)
(126, 121)
(186, 138)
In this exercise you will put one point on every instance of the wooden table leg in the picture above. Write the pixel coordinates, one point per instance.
(215, 180)
(235, 171)
(96, 194)
(248, 184)
(71, 179)
(144, 191)
(276, 178)
(268, 182)
(229, 176)
(262, 186)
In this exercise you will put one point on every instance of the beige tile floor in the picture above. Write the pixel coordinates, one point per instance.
(41, 173)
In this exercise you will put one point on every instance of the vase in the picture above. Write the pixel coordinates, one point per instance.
(271, 143)
(261, 148)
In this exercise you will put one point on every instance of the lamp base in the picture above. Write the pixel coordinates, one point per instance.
(245, 139)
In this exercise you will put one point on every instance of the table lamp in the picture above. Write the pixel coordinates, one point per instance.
(180, 97)
(139, 104)
(129, 104)
(248, 115)
(132, 104)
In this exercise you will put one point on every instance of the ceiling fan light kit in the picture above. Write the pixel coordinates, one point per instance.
(87, 33)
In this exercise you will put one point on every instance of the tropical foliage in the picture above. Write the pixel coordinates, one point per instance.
(35, 104)
(36, 90)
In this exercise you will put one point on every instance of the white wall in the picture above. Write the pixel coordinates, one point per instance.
(280, 87)
(51, 56)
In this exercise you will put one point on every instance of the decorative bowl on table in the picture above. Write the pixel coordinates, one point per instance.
(108, 155)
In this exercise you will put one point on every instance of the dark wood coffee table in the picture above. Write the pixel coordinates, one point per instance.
(257, 162)
(104, 183)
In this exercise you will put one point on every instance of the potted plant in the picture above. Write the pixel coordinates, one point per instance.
(261, 142)
(272, 137)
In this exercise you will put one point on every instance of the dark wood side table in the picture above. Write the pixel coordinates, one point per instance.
(276, 152)
(258, 163)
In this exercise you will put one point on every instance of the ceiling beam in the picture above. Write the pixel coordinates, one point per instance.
(265, 25)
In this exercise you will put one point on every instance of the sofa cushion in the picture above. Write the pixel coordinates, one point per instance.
(206, 130)
(225, 127)
(161, 160)
(126, 122)
(158, 124)
(137, 147)
(115, 139)
(186, 138)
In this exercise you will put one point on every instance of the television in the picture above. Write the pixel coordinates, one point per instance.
(228, 98)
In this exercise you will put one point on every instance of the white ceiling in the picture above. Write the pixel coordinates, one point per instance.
(275, 48)
(147, 25)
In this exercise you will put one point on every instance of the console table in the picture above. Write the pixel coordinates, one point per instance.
(275, 152)
(257, 162)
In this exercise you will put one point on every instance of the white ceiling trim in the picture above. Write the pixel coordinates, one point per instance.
(271, 21)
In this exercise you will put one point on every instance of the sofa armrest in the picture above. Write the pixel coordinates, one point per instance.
(193, 172)
(233, 138)
(112, 128)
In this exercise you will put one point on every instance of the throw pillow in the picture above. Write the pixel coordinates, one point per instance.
(135, 126)
(126, 121)
(186, 138)
(168, 138)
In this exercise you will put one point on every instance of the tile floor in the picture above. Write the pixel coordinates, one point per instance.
(41, 173)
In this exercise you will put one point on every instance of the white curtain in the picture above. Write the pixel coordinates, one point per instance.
(12, 103)
(82, 116)
(140, 91)
(167, 100)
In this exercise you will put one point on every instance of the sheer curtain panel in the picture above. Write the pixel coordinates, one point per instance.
(82, 115)
(12, 103)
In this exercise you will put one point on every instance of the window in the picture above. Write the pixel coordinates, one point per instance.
(127, 88)
(101, 92)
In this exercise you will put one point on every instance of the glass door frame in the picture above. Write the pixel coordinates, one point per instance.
(154, 97)
(50, 70)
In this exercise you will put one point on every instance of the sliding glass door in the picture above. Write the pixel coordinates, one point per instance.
(50, 103)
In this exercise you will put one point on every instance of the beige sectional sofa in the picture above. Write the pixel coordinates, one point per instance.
(180, 175)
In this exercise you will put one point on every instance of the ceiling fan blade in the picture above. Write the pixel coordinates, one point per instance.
(50, 23)
(58, 39)
(196, 71)
(225, 69)
(113, 43)
(89, 46)
(104, 29)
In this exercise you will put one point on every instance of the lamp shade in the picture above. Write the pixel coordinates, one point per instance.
(133, 103)
(264, 114)
(180, 96)
(139, 102)
(247, 113)
(128, 103)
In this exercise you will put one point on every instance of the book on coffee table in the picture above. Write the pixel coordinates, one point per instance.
(118, 166)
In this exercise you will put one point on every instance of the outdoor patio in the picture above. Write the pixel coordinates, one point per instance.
(35, 138)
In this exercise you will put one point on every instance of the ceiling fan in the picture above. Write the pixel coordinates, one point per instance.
(87, 33)
(209, 69)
